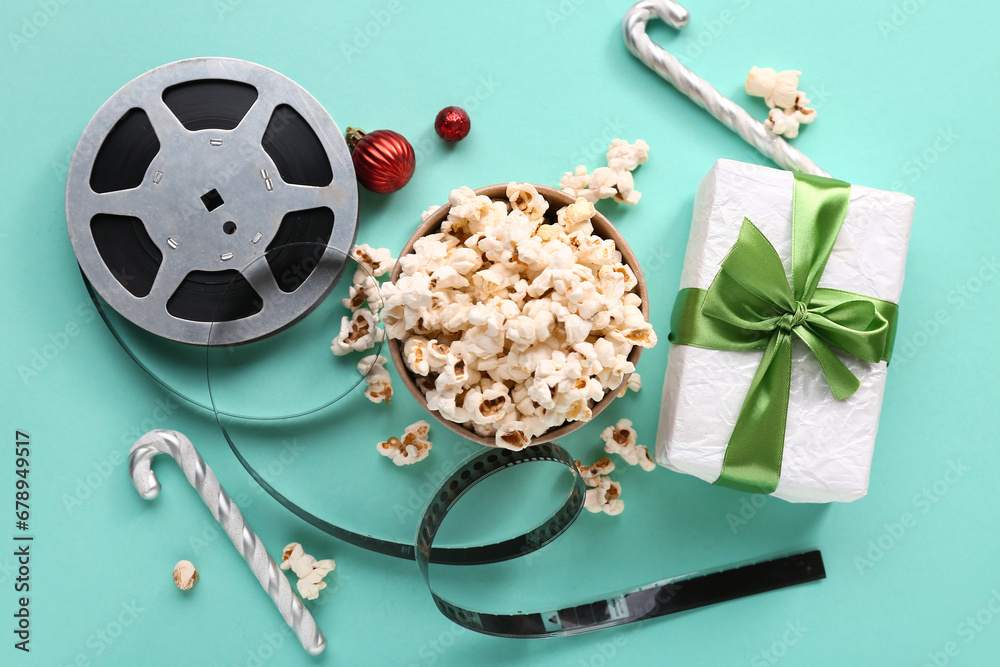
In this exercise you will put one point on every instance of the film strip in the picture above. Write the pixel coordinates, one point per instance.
(659, 598)
(216, 306)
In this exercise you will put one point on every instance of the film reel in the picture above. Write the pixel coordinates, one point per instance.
(191, 172)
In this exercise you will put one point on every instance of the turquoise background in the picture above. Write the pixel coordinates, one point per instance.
(905, 92)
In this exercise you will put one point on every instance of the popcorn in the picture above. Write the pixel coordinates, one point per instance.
(487, 404)
(185, 575)
(614, 181)
(787, 121)
(634, 383)
(635, 330)
(625, 192)
(577, 181)
(415, 355)
(523, 197)
(357, 333)
(800, 107)
(310, 585)
(414, 445)
(365, 289)
(445, 401)
(309, 570)
(789, 106)
(472, 211)
(646, 461)
(437, 355)
(592, 474)
(431, 210)
(605, 497)
(603, 182)
(378, 261)
(620, 439)
(782, 124)
(624, 156)
(379, 383)
(576, 217)
(464, 260)
(360, 331)
(514, 319)
(777, 88)
(513, 435)
(447, 277)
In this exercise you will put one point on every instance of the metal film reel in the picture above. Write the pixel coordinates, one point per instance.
(193, 171)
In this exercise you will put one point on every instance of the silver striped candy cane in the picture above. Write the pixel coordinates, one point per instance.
(721, 107)
(229, 517)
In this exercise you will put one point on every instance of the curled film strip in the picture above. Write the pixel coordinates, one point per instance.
(213, 305)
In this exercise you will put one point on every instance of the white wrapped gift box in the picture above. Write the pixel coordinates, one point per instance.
(828, 443)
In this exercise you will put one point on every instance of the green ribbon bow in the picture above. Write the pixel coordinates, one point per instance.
(751, 306)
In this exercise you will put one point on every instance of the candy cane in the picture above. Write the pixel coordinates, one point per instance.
(700, 91)
(228, 515)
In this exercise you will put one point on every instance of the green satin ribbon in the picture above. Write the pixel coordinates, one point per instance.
(751, 306)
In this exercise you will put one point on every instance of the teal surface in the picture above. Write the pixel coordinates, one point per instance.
(905, 92)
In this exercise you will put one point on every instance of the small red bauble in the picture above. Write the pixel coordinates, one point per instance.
(452, 123)
(383, 159)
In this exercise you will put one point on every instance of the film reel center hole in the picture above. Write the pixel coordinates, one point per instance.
(229, 227)
(213, 200)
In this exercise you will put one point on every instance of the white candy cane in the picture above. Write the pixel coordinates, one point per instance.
(229, 517)
(700, 91)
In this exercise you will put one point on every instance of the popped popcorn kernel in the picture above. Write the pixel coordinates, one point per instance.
(592, 474)
(357, 333)
(378, 381)
(789, 106)
(411, 448)
(621, 439)
(777, 88)
(378, 261)
(615, 181)
(309, 570)
(605, 497)
(185, 575)
(634, 383)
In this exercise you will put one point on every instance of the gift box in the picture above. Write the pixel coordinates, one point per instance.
(777, 388)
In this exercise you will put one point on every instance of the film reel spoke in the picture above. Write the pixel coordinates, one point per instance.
(131, 203)
(310, 196)
(262, 280)
(167, 126)
(170, 276)
(251, 129)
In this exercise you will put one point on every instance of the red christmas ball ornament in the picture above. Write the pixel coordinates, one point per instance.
(452, 123)
(383, 159)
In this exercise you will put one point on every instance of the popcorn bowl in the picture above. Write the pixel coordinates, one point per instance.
(602, 228)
